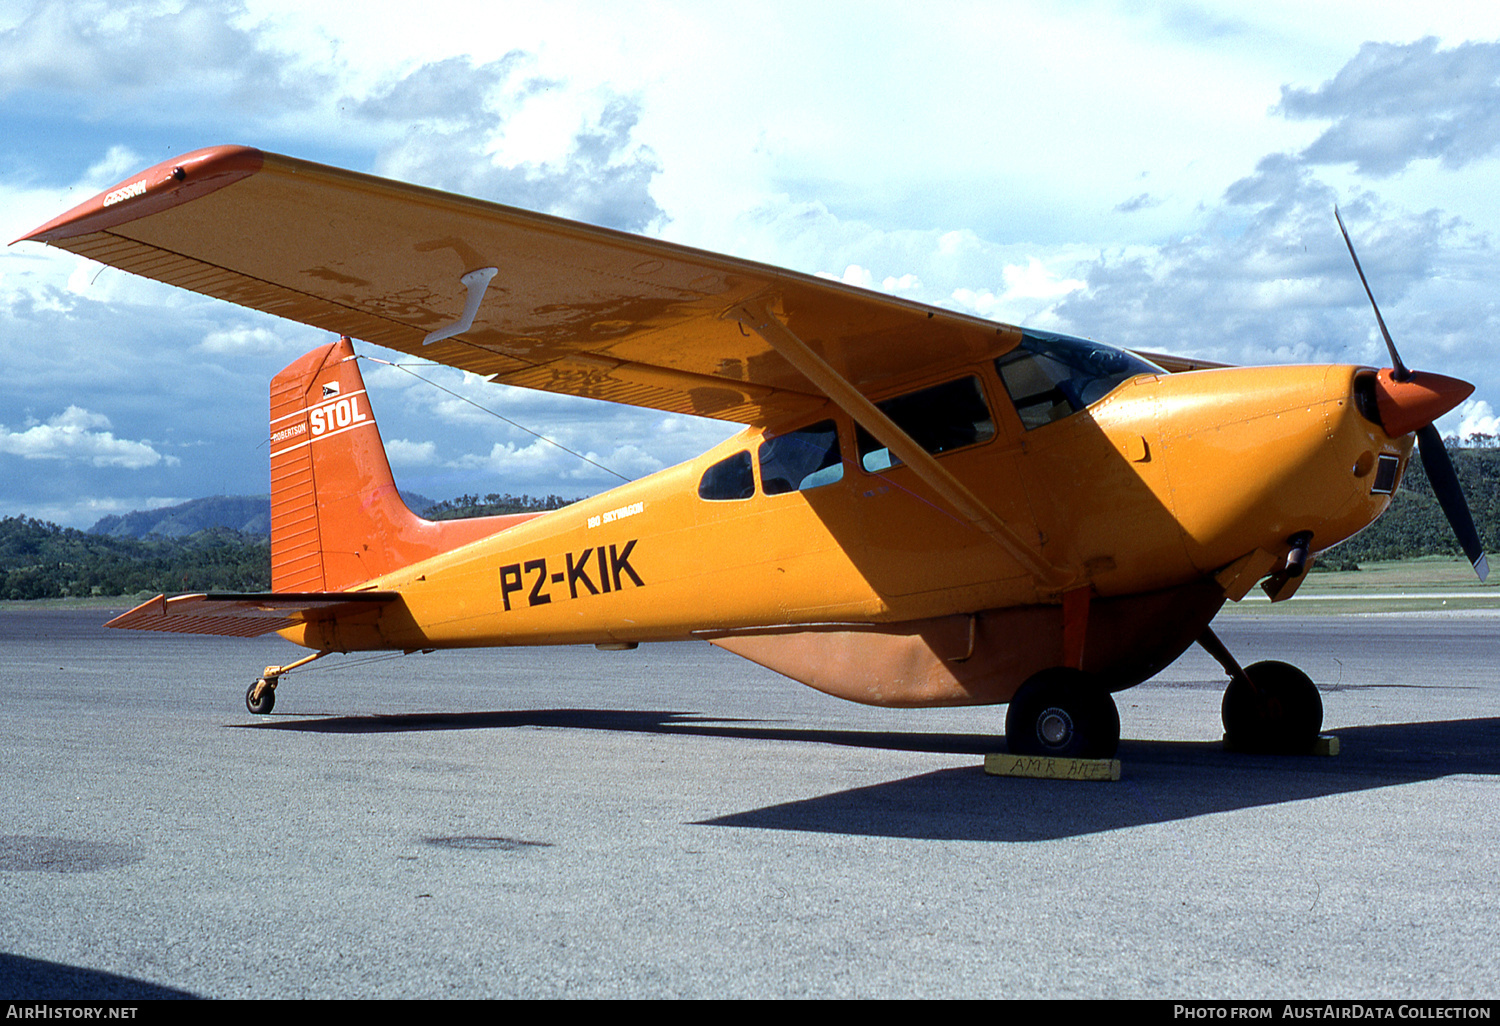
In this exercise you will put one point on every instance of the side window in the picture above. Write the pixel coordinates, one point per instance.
(800, 460)
(730, 478)
(948, 416)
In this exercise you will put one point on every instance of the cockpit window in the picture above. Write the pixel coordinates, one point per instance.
(800, 460)
(947, 416)
(1051, 376)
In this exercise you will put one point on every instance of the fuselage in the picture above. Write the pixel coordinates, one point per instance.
(1159, 481)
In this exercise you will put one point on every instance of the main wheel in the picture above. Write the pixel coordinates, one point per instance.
(1063, 712)
(1284, 712)
(262, 703)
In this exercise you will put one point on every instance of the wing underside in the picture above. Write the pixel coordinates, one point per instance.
(571, 308)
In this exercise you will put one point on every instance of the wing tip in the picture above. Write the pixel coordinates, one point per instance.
(150, 191)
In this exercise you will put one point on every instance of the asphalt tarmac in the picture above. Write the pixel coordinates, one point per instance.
(674, 822)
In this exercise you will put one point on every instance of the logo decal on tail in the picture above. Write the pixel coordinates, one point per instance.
(337, 415)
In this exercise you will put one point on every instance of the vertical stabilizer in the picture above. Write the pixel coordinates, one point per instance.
(336, 518)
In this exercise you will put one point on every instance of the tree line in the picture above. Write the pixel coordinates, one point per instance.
(492, 505)
(41, 560)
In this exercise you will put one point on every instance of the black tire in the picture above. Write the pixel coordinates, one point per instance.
(1063, 712)
(1284, 713)
(264, 704)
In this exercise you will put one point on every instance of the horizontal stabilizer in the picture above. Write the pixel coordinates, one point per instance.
(246, 615)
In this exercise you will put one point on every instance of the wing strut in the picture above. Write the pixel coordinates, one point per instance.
(756, 316)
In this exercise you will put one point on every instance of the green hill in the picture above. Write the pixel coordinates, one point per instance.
(248, 514)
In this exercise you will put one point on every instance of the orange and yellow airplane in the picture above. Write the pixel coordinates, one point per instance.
(924, 508)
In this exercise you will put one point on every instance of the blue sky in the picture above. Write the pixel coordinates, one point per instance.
(1159, 176)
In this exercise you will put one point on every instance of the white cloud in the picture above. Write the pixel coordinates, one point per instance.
(106, 58)
(402, 453)
(1027, 297)
(1035, 281)
(1393, 104)
(73, 435)
(1474, 417)
(242, 339)
(853, 275)
(117, 163)
(495, 131)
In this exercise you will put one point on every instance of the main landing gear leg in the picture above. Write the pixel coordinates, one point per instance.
(1268, 706)
(1065, 711)
(261, 698)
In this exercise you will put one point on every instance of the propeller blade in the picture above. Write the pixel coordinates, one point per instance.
(1451, 496)
(1415, 403)
(1399, 371)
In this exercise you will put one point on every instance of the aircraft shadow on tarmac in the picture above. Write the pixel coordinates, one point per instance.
(1161, 780)
(32, 979)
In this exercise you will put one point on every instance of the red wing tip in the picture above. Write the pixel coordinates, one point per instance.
(157, 188)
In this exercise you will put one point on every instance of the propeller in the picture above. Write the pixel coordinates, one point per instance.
(1409, 401)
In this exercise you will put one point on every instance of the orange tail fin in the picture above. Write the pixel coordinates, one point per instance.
(336, 518)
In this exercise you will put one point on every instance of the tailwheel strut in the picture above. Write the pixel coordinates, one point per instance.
(260, 699)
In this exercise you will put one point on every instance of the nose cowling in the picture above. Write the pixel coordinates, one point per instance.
(1411, 403)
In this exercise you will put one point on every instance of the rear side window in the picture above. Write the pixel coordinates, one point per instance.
(945, 417)
(800, 460)
(730, 478)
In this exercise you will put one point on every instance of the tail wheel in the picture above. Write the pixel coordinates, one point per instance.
(1282, 713)
(1063, 712)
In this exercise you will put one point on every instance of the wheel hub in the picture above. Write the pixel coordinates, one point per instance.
(1054, 727)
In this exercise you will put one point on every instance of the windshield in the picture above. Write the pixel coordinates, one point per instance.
(1052, 376)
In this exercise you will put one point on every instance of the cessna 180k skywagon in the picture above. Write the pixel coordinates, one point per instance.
(924, 508)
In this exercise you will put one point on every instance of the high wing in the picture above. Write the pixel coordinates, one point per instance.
(571, 308)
